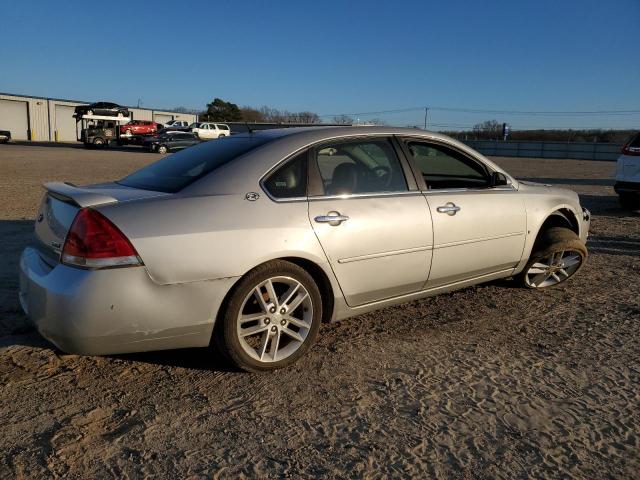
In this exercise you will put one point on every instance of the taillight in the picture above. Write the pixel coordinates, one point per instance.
(94, 242)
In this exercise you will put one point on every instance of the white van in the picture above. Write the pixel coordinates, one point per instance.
(627, 184)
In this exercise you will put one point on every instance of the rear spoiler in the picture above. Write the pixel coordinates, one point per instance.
(82, 197)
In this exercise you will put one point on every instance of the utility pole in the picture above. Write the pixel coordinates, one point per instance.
(426, 114)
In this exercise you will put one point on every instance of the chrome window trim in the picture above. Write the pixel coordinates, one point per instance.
(501, 188)
(365, 195)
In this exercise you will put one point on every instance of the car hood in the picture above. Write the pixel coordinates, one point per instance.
(525, 186)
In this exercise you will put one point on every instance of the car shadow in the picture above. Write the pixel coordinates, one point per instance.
(204, 358)
(605, 205)
(616, 245)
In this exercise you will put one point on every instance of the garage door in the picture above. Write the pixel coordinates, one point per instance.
(14, 117)
(162, 118)
(65, 124)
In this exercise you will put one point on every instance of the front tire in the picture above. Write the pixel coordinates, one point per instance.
(271, 318)
(162, 149)
(557, 256)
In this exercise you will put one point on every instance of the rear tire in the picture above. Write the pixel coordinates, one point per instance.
(629, 202)
(557, 256)
(162, 149)
(270, 319)
(98, 142)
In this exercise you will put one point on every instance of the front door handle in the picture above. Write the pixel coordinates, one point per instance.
(332, 218)
(449, 208)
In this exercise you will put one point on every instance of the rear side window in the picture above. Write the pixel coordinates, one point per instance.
(174, 172)
(290, 180)
(360, 166)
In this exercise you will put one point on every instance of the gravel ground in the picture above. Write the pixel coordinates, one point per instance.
(492, 381)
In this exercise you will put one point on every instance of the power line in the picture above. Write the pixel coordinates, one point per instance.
(496, 112)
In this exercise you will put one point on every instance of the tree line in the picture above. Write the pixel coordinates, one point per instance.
(222, 111)
(492, 130)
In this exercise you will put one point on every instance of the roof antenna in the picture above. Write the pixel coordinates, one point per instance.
(248, 127)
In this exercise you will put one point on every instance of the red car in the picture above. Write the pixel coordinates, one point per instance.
(139, 127)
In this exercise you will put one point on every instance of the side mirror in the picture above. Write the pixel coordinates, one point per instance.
(498, 179)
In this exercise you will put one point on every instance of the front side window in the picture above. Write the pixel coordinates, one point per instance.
(442, 167)
(360, 166)
(290, 180)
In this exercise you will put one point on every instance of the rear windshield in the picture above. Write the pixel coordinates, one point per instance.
(635, 142)
(175, 172)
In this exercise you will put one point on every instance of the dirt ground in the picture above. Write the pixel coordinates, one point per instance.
(487, 382)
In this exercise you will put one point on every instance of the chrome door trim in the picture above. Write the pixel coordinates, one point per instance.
(476, 240)
(385, 254)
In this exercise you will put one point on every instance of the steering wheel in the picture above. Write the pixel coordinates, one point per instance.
(381, 172)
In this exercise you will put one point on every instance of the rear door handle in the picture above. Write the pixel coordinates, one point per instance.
(449, 208)
(332, 218)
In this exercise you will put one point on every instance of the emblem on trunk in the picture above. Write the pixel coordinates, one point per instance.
(252, 196)
(56, 245)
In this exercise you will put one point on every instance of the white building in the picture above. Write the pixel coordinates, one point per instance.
(51, 119)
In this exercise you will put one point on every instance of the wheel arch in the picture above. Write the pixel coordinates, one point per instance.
(559, 217)
(318, 274)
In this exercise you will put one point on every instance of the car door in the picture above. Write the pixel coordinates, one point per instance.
(479, 227)
(177, 141)
(371, 220)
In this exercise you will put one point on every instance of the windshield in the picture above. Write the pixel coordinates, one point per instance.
(195, 125)
(175, 172)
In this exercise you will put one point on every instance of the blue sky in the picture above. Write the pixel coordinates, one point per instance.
(336, 56)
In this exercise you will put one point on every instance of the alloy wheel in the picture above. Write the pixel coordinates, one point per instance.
(275, 319)
(553, 269)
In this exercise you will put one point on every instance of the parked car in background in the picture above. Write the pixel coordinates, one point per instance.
(177, 125)
(627, 184)
(105, 109)
(171, 141)
(139, 127)
(5, 136)
(209, 131)
(253, 241)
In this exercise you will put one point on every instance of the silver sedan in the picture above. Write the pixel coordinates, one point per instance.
(252, 241)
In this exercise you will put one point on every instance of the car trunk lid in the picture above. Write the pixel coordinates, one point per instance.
(61, 203)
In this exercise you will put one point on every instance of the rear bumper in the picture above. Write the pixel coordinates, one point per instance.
(120, 310)
(632, 188)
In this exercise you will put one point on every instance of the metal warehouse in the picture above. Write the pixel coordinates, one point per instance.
(51, 119)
